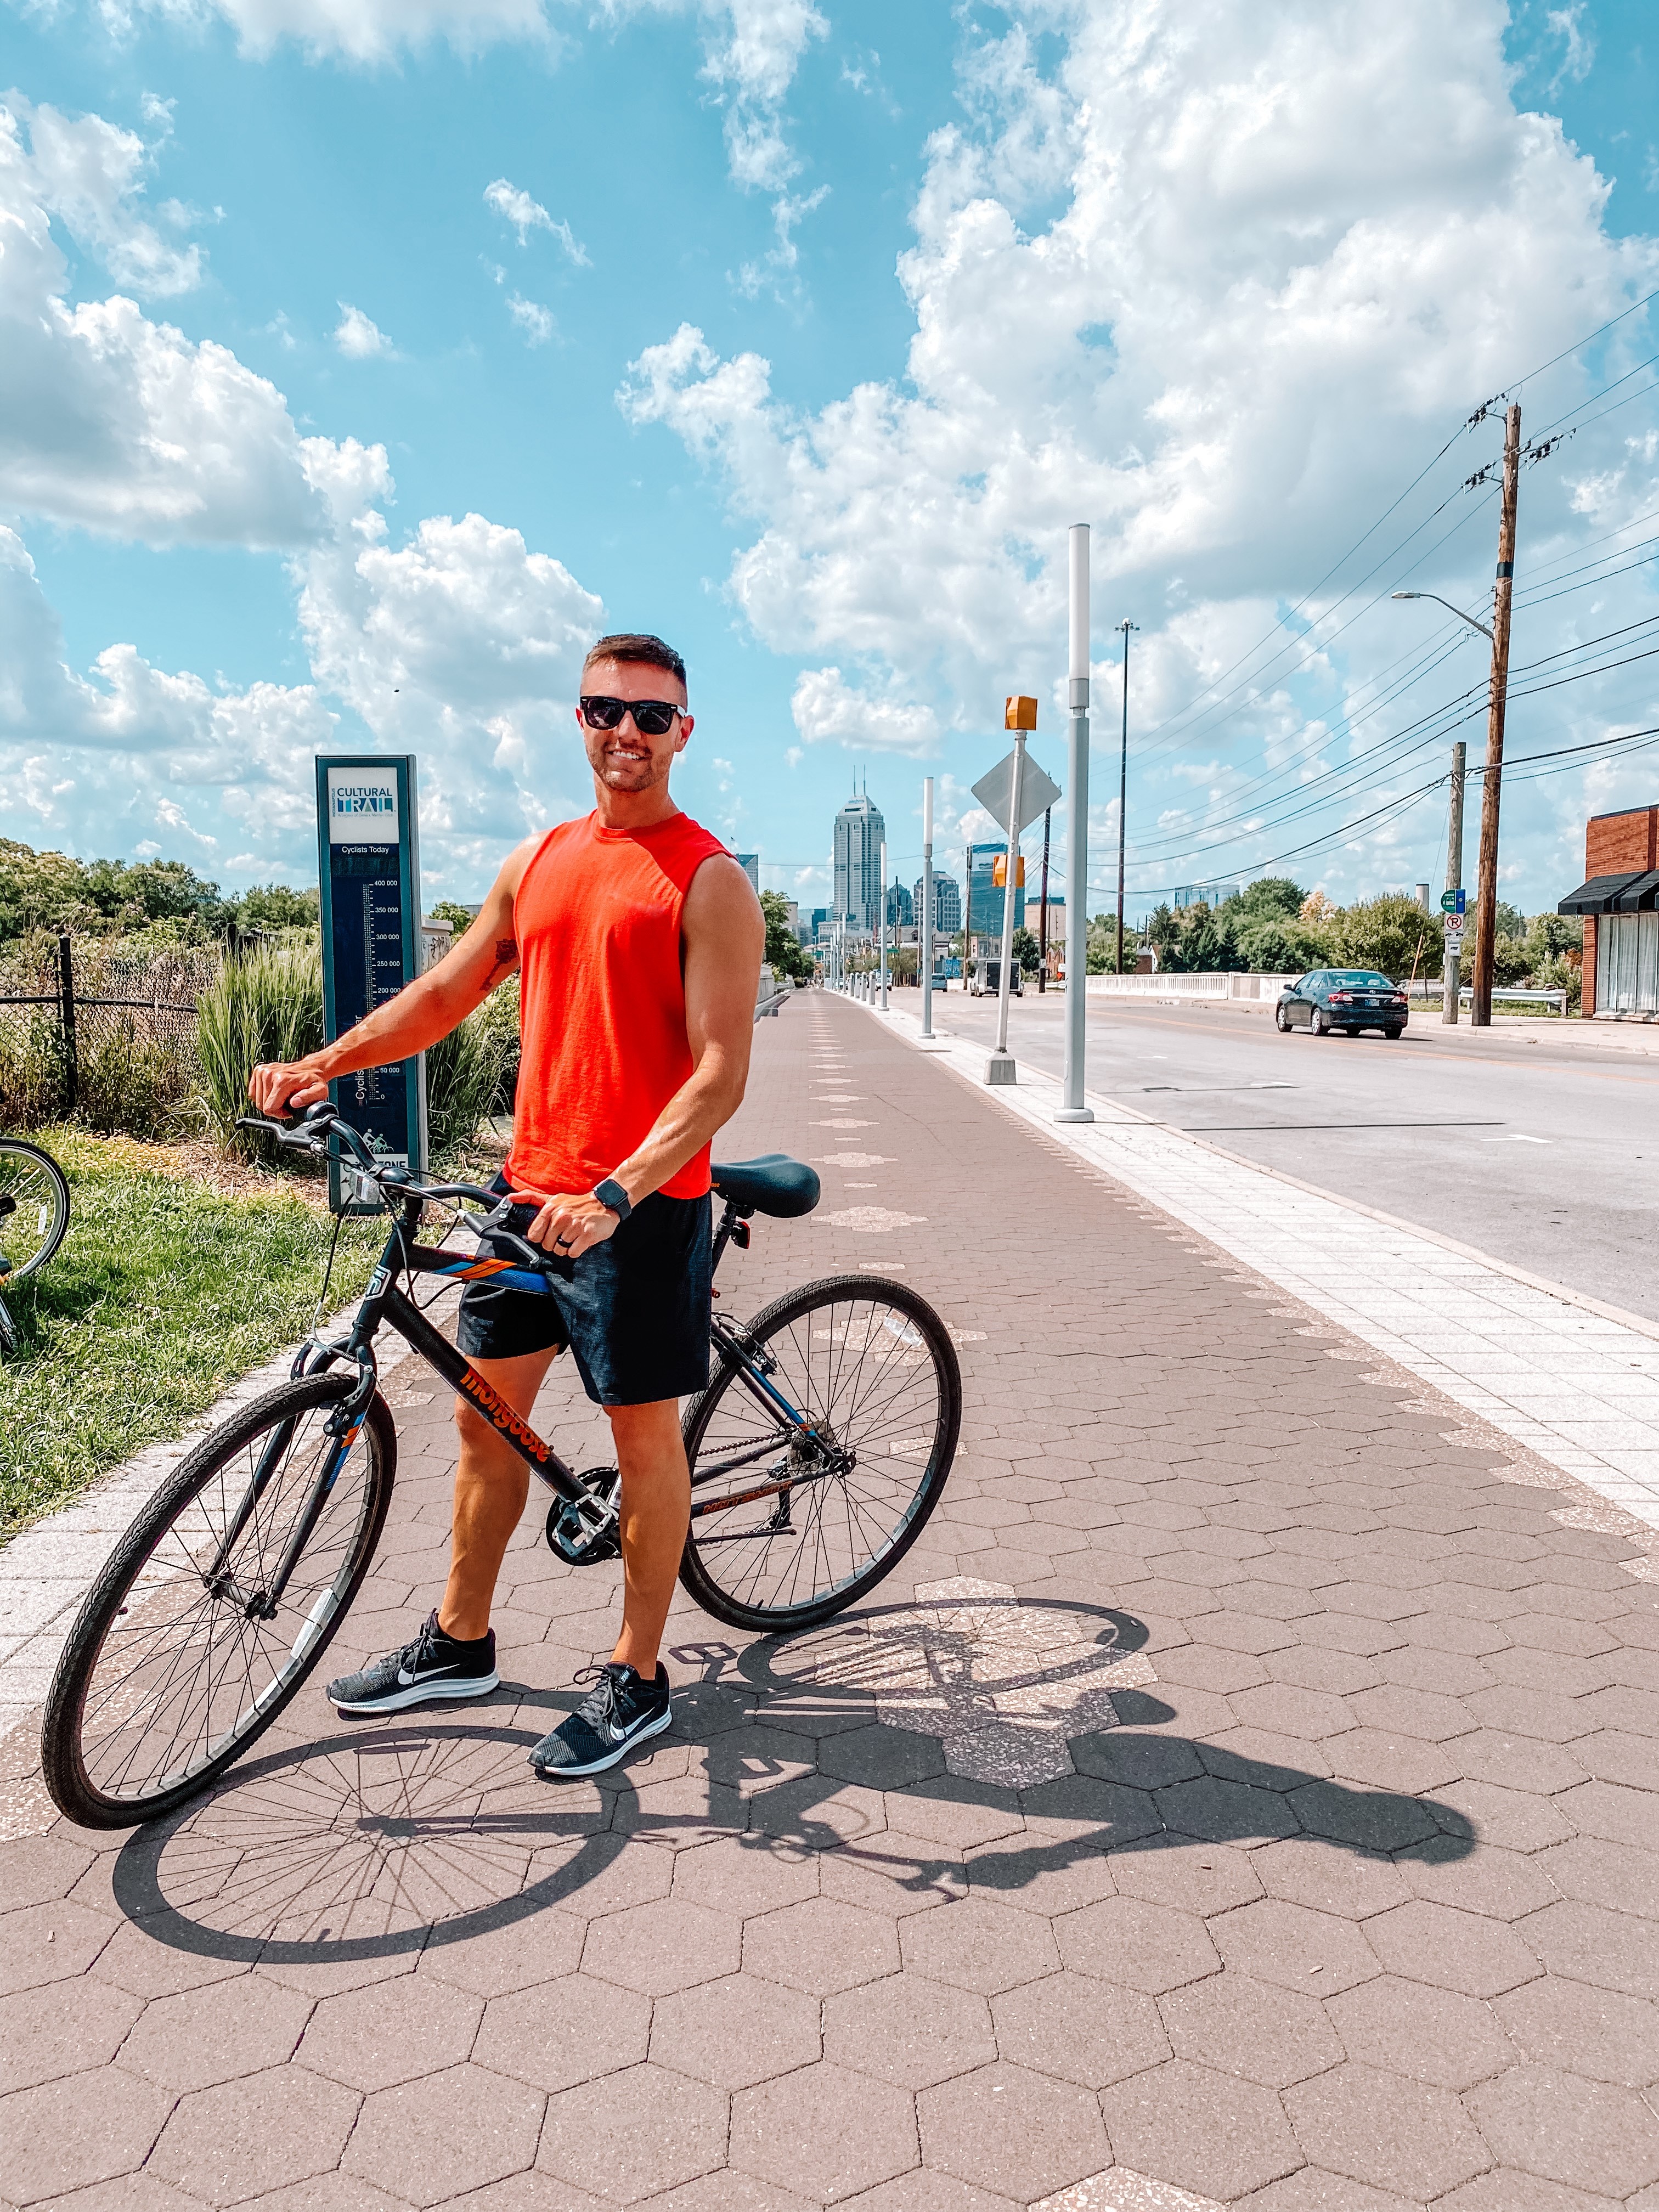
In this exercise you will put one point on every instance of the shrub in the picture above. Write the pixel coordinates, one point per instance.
(266, 1007)
(464, 1073)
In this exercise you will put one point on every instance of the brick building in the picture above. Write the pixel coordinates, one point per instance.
(1619, 903)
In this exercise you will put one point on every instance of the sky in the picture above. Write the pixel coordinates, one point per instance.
(360, 360)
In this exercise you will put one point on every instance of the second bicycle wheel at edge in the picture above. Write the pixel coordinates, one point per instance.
(168, 1676)
(870, 1366)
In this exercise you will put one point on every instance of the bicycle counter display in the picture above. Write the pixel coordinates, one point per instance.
(369, 855)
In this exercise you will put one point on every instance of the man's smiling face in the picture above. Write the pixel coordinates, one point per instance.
(626, 758)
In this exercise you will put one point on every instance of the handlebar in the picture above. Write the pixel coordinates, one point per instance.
(312, 1132)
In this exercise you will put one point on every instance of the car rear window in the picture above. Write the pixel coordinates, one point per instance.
(1366, 978)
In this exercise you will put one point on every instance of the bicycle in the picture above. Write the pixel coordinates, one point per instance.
(34, 1211)
(818, 1449)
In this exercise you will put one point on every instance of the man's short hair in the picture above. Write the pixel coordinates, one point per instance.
(637, 645)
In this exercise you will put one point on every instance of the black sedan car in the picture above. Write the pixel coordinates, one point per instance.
(1347, 999)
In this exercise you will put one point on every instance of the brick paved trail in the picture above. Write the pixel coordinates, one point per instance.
(1241, 1791)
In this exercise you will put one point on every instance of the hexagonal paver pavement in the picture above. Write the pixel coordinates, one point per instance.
(824, 2131)
(448, 2133)
(1018, 2133)
(1215, 1809)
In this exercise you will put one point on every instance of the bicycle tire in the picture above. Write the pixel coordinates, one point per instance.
(52, 1218)
(91, 1717)
(896, 1497)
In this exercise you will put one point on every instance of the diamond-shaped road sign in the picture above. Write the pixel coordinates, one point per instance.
(995, 790)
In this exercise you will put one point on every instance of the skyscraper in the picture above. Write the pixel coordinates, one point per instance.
(947, 904)
(987, 895)
(901, 908)
(860, 832)
(749, 863)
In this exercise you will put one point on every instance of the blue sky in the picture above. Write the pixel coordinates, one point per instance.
(816, 326)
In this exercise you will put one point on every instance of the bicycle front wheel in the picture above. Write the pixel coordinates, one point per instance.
(216, 1604)
(791, 1523)
(34, 1208)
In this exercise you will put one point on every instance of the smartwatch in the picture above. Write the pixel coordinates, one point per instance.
(611, 1194)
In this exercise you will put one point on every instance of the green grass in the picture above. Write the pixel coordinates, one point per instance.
(161, 1294)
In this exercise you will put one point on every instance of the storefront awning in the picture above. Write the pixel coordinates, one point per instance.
(1636, 893)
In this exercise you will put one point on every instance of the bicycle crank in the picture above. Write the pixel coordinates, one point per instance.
(584, 1534)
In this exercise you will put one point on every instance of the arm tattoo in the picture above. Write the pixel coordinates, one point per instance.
(506, 959)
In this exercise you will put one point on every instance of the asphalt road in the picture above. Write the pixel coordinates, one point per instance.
(1543, 1155)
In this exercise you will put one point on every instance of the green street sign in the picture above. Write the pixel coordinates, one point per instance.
(1451, 902)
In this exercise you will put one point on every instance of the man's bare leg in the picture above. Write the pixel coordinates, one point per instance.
(656, 1512)
(491, 1485)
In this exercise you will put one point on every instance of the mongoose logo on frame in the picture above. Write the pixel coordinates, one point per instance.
(504, 1417)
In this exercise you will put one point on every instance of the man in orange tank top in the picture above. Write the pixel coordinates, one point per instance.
(639, 941)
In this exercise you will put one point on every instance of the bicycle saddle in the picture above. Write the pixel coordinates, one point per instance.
(772, 1184)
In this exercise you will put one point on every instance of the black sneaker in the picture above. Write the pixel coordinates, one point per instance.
(435, 1665)
(620, 1711)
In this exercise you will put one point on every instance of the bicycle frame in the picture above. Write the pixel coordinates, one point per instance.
(385, 1304)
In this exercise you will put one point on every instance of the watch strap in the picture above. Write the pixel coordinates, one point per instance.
(610, 1193)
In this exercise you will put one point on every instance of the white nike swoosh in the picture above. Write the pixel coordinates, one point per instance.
(406, 1679)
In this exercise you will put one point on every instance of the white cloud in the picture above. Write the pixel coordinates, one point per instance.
(1577, 43)
(108, 420)
(826, 708)
(134, 757)
(1292, 248)
(89, 174)
(525, 215)
(351, 30)
(358, 337)
(461, 645)
(536, 322)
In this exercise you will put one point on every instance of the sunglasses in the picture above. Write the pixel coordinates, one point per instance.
(653, 718)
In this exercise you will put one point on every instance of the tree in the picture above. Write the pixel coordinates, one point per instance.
(276, 906)
(457, 916)
(1391, 933)
(1269, 898)
(1028, 953)
(784, 953)
(1509, 920)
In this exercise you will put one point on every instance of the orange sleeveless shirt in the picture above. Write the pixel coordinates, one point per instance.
(598, 923)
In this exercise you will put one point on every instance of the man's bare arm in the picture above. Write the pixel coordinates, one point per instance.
(723, 934)
(422, 1011)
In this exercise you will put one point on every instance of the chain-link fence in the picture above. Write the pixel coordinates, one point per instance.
(105, 1033)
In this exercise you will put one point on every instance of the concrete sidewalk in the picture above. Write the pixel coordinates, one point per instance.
(1243, 1795)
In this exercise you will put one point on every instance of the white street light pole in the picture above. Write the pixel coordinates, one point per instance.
(925, 935)
(881, 949)
(1072, 1107)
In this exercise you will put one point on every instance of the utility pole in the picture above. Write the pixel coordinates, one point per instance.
(1125, 626)
(1486, 912)
(1455, 878)
(1042, 911)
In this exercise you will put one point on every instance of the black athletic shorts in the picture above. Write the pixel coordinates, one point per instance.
(634, 1310)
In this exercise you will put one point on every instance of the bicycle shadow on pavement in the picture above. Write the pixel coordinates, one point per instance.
(969, 1739)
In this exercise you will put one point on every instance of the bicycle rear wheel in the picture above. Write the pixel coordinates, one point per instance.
(185, 1649)
(34, 1208)
(788, 1529)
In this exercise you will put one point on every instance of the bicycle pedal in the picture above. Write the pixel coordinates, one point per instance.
(576, 1539)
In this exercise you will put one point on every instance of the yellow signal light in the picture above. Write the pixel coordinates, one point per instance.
(1019, 713)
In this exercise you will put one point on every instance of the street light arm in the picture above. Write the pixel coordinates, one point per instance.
(1448, 605)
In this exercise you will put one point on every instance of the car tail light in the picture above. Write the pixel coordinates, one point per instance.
(1341, 998)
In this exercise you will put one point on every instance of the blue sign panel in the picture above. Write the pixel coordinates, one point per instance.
(369, 866)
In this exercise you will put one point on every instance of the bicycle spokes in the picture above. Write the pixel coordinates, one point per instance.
(232, 1599)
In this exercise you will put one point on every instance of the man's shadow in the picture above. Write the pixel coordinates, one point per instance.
(375, 1841)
